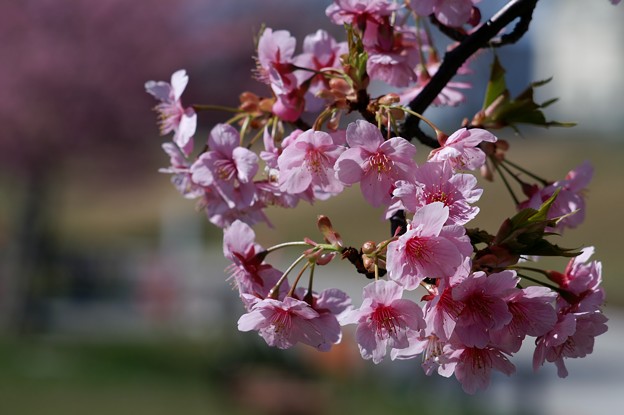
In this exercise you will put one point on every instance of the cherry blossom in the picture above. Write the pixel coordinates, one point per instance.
(172, 115)
(428, 249)
(485, 307)
(248, 269)
(284, 323)
(448, 12)
(375, 163)
(309, 161)
(437, 182)
(474, 366)
(570, 201)
(461, 148)
(227, 166)
(180, 172)
(384, 319)
(359, 12)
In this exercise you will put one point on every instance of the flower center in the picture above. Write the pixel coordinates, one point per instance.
(315, 161)
(380, 163)
(417, 248)
(385, 321)
(281, 321)
(225, 169)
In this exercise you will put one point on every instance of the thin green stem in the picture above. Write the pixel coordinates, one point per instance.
(286, 244)
(273, 292)
(202, 107)
(426, 120)
(504, 179)
(525, 171)
(542, 283)
(291, 292)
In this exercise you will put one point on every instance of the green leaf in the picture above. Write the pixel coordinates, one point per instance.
(496, 85)
(500, 110)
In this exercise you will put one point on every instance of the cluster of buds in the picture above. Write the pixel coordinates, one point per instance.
(481, 300)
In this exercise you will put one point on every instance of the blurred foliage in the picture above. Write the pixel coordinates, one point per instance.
(190, 377)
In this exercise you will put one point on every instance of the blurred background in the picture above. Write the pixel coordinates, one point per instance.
(112, 291)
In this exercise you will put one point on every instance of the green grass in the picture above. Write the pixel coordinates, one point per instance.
(183, 377)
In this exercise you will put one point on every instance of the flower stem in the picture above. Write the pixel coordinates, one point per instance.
(525, 171)
(509, 189)
(273, 292)
(286, 244)
(201, 107)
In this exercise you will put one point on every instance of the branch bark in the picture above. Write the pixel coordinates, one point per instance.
(455, 58)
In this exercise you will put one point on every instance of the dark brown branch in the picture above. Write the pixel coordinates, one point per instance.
(455, 58)
(459, 34)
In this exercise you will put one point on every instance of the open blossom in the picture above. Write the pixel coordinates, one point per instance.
(284, 323)
(180, 172)
(461, 149)
(248, 269)
(428, 249)
(572, 337)
(570, 200)
(392, 53)
(309, 161)
(473, 366)
(437, 182)
(320, 52)
(581, 280)
(449, 12)
(384, 319)
(375, 163)
(275, 58)
(485, 308)
(359, 12)
(227, 166)
(172, 115)
(579, 314)
(532, 313)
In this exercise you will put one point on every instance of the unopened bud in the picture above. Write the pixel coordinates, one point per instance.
(389, 99)
(368, 247)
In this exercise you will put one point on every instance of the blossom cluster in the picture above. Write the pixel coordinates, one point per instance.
(479, 304)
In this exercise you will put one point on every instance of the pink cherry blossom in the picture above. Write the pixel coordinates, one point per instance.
(222, 213)
(375, 163)
(581, 280)
(474, 366)
(461, 148)
(309, 161)
(180, 172)
(392, 53)
(437, 182)
(284, 323)
(359, 12)
(485, 308)
(533, 314)
(427, 248)
(248, 269)
(572, 337)
(579, 314)
(435, 356)
(227, 166)
(172, 115)
(570, 200)
(275, 58)
(449, 12)
(384, 319)
(320, 52)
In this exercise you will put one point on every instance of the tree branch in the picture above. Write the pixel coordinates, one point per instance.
(455, 58)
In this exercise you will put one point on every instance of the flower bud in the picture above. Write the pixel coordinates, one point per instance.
(369, 247)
